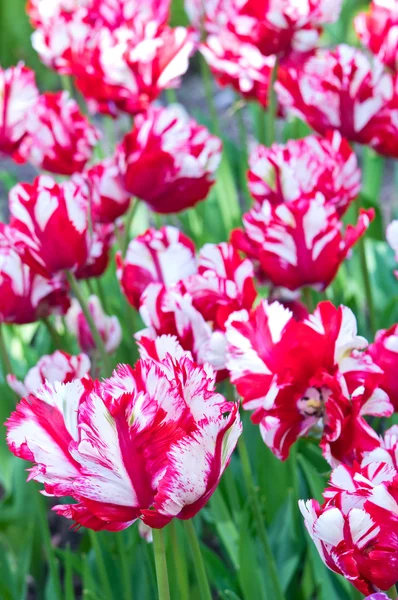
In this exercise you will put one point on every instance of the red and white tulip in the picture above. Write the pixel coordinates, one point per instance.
(157, 256)
(342, 89)
(109, 199)
(59, 366)
(300, 243)
(53, 220)
(149, 443)
(108, 327)
(26, 295)
(168, 160)
(59, 139)
(305, 169)
(378, 31)
(18, 97)
(306, 378)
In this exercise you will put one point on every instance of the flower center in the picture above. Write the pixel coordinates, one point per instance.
(312, 404)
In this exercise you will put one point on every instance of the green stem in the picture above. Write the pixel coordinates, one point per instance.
(199, 564)
(366, 278)
(48, 546)
(307, 299)
(161, 564)
(243, 163)
(90, 288)
(101, 294)
(180, 563)
(69, 592)
(129, 219)
(90, 321)
(102, 572)
(67, 84)
(56, 338)
(392, 593)
(126, 568)
(5, 358)
(171, 96)
(251, 490)
(270, 134)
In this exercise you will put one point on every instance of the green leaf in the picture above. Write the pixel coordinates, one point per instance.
(287, 546)
(249, 573)
(225, 527)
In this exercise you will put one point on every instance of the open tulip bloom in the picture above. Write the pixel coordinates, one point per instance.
(198, 301)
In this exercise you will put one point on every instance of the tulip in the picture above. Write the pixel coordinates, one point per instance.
(149, 443)
(168, 160)
(18, 97)
(306, 378)
(59, 366)
(59, 138)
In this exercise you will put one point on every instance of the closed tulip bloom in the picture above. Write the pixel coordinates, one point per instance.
(378, 31)
(299, 243)
(240, 65)
(18, 97)
(62, 39)
(25, 295)
(149, 443)
(126, 69)
(110, 13)
(273, 26)
(41, 12)
(168, 160)
(384, 352)
(109, 199)
(101, 239)
(341, 89)
(195, 309)
(59, 366)
(223, 284)
(306, 169)
(280, 26)
(306, 378)
(157, 256)
(67, 31)
(53, 219)
(59, 138)
(108, 327)
(171, 311)
(355, 530)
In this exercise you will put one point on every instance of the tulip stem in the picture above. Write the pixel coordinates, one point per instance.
(56, 338)
(90, 321)
(129, 219)
(179, 562)
(67, 84)
(370, 308)
(307, 298)
(125, 567)
(161, 564)
(392, 593)
(5, 357)
(270, 133)
(199, 564)
(251, 490)
(101, 295)
(99, 558)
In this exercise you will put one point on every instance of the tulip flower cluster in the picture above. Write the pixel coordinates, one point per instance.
(157, 282)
